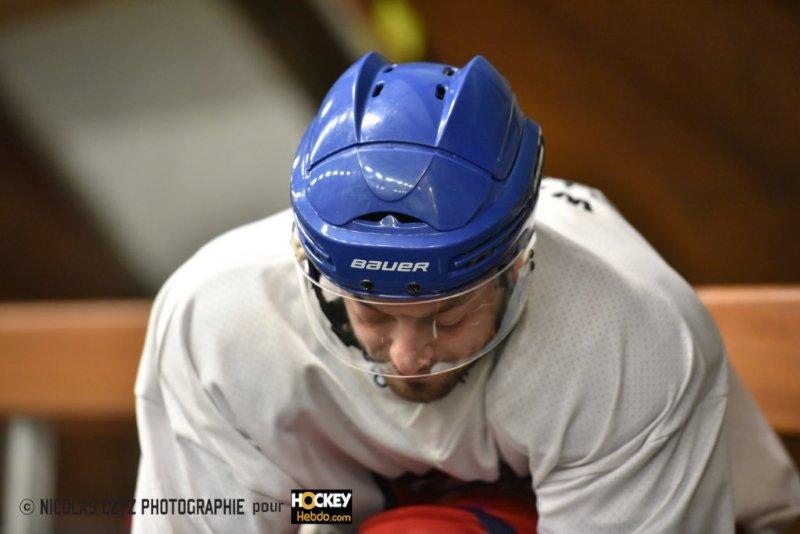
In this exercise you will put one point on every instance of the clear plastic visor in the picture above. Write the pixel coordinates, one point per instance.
(415, 339)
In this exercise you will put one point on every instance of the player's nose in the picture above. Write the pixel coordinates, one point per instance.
(411, 351)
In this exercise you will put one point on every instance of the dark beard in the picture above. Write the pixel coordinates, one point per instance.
(428, 389)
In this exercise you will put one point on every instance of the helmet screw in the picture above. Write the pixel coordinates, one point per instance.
(366, 285)
(414, 288)
(530, 259)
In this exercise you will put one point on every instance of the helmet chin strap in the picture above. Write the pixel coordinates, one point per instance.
(335, 312)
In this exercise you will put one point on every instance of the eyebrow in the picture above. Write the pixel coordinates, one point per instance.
(454, 303)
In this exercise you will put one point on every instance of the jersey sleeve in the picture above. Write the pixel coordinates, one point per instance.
(609, 455)
(612, 391)
(172, 467)
(189, 446)
(634, 327)
(675, 483)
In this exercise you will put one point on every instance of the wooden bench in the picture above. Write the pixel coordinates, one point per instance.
(761, 329)
(70, 359)
(79, 359)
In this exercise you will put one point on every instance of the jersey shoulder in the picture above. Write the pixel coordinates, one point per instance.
(225, 299)
(614, 345)
(258, 247)
(583, 216)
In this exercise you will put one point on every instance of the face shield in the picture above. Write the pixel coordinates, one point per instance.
(408, 338)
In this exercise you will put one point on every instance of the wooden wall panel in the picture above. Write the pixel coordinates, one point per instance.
(50, 245)
(683, 113)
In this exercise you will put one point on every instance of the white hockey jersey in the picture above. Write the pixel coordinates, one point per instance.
(611, 393)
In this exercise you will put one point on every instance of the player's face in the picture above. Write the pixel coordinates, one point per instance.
(416, 336)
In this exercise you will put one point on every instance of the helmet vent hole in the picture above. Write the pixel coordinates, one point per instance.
(377, 90)
(440, 92)
(448, 71)
(389, 69)
(382, 216)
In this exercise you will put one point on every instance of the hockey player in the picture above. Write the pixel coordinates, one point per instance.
(409, 327)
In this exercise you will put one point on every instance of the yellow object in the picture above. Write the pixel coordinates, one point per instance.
(401, 30)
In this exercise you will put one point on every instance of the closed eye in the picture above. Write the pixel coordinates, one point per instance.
(452, 317)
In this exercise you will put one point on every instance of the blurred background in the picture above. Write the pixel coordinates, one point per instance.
(131, 132)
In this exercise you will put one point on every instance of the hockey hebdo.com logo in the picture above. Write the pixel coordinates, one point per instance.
(331, 506)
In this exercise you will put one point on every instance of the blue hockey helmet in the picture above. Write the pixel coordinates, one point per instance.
(414, 183)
